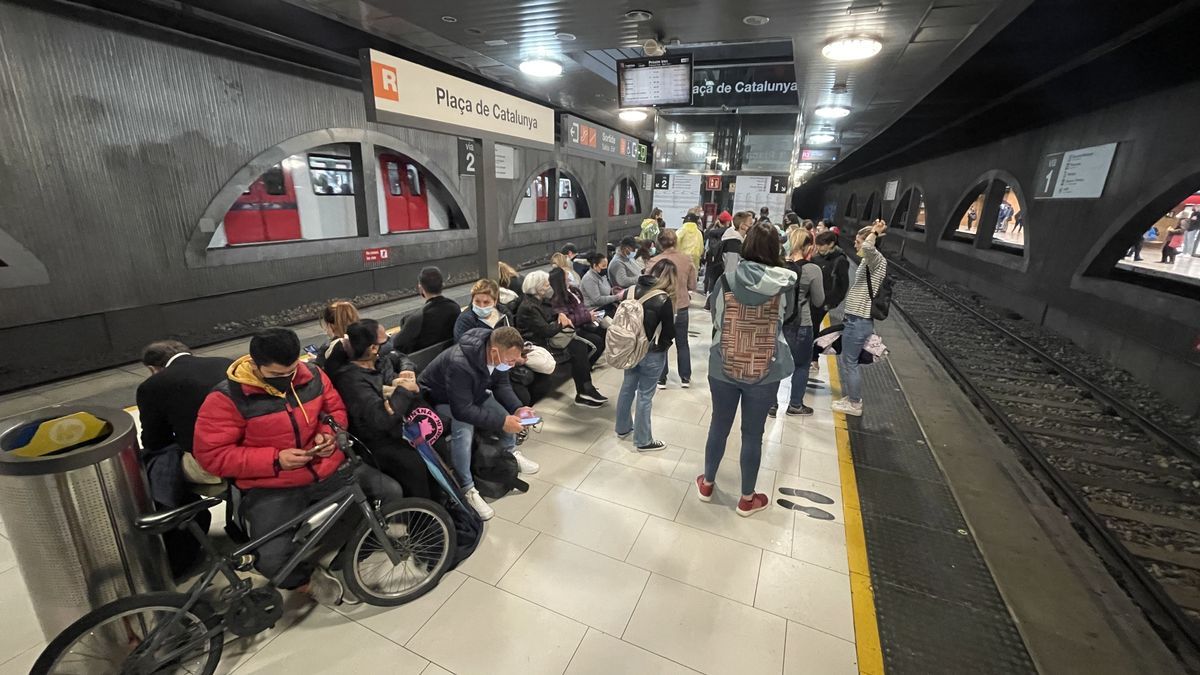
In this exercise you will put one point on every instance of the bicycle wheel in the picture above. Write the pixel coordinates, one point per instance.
(103, 640)
(423, 532)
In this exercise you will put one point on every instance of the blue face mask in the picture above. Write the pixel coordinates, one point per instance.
(631, 256)
(482, 312)
(503, 367)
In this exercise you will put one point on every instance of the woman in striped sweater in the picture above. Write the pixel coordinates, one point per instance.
(858, 325)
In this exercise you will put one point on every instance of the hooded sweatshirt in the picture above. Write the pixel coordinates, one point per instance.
(691, 241)
(245, 422)
(754, 284)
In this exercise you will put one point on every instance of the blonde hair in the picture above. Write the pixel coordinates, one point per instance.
(798, 240)
(561, 260)
(486, 287)
(338, 315)
(506, 273)
(668, 278)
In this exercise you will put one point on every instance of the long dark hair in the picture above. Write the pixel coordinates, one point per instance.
(761, 245)
(558, 283)
(360, 337)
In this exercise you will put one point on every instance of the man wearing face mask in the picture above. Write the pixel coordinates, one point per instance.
(469, 384)
(263, 428)
(624, 269)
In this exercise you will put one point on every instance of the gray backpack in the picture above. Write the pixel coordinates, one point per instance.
(626, 343)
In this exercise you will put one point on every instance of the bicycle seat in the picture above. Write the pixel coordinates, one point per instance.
(162, 522)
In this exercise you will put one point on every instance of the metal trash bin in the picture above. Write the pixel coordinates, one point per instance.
(70, 513)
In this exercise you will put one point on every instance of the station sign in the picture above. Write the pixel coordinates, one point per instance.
(506, 161)
(819, 154)
(404, 93)
(712, 183)
(1074, 174)
(889, 190)
(468, 157)
(732, 86)
(371, 255)
(584, 138)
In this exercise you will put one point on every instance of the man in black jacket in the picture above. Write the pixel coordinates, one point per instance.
(168, 402)
(469, 384)
(835, 274)
(434, 322)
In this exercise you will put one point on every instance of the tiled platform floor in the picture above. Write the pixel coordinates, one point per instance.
(609, 564)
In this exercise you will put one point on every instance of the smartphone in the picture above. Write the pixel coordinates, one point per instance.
(320, 448)
(530, 421)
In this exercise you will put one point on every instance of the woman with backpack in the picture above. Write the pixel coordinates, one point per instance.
(798, 326)
(859, 325)
(749, 358)
(654, 292)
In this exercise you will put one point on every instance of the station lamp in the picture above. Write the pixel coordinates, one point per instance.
(851, 48)
(821, 138)
(541, 67)
(632, 115)
(832, 112)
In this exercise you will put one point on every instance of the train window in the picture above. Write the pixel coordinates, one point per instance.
(331, 176)
(1168, 249)
(572, 202)
(414, 180)
(967, 217)
(1009, 235)
(625, 199)
(872, 209)
(393, 179)
(273, 182)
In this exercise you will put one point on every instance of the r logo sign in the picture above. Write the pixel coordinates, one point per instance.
(387, 85)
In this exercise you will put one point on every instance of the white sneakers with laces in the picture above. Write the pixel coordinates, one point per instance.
(848, 407)
(524, 464)
(481, 507)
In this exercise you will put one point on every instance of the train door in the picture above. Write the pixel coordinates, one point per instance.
(244, 221)
(541, 193)
(418, 200)
(280, 213)
(630, 199)
(566, 200)
(393, 196)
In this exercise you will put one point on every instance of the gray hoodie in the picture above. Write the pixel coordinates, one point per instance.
(624, 272)
(597, 292)
(753, 284)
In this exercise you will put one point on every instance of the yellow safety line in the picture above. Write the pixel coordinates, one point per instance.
(866, 626)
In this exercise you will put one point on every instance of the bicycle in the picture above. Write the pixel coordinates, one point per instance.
(166, 632)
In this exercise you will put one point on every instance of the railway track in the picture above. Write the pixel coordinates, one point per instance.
(1130, 487)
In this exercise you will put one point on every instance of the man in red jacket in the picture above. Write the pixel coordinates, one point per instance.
(263, 428)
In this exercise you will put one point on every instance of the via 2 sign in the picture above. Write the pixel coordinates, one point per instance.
(371, 255)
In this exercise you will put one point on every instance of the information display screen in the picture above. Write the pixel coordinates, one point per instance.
(655, 81)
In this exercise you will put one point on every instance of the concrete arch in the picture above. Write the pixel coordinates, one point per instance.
(561, 165)
(906, 200)
(20, 266)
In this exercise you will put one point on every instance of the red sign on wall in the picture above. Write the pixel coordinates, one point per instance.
(712, 182)
(371, 255)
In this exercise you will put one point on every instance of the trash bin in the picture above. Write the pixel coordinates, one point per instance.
(70, 488)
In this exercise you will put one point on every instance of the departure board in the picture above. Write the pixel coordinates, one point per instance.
(655, 81)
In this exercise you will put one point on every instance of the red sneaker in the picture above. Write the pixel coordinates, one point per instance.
(757, 502)
(704, 490)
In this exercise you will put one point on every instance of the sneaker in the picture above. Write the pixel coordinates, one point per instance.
(748, 507)
(325, 588)
(652, 445)
(704, 490)
(773, 410)
(801, 410)
(847, 407)
(591, 394)
(524, 464)
(481, 507)
(685, 383)
(815, 367)
(587, 402)
(625, 436)
(662, 384)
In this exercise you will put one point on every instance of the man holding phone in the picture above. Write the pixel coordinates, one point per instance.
(264, 428)
(469, 384)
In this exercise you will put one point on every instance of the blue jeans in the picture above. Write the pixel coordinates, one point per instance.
(800, 341)
(756, 399)
(641, 379)
(461, 436)
(855, 331)
(682, 346)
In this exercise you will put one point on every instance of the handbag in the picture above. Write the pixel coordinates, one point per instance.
(539, 359)
(561, 339)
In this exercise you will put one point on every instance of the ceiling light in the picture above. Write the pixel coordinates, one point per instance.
(755, 20)
(565, 37)
(698, 149)
(495, 43)
(855, 10)
(632, 115)
(638, 15)
(821, 138)
(805, 166)
(832, 112)
(449, 19)
(851, 48)
(541, 67)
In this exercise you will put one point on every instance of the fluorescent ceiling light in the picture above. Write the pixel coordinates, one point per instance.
(698, 149)
(832, 111)
(632, 115)
(851, 48)
(676, 136)
(540, 67)
(821, 138)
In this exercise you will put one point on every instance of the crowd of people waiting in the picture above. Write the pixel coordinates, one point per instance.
(262, 421)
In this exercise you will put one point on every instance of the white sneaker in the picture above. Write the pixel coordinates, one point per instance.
(481, 507)
(325, 588)
(524, 464)
(848, 407)
(815, 367)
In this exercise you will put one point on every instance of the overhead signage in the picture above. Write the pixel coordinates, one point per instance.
(819, 154)
(675, 193)
(1074, 174)
(733, 86)
(779, 185)
(755, 192)
(592, 140)
(371, 255)
(468, 157)
(506, 161)
(402, 92)
(712, 183)
(655, 81)
(643, 153)
(889, 190)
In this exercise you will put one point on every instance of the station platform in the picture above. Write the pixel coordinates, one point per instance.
(905, 541)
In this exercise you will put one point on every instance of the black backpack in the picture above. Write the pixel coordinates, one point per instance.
(493, 467)
(881, 300)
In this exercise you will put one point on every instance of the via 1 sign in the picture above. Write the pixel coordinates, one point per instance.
(468, 157)
(371, 255)
(1074, 174)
